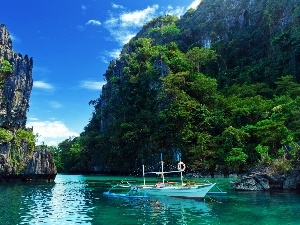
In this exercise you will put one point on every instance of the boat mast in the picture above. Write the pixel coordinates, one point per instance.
(144, 175)
(162, 168)
(181, 178)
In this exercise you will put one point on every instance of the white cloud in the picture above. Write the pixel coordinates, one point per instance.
(104, 59)
(139, 17)
(124, 26)
(123, 37)
(51, 132)
(92, 85)
(116, 6)
(115, 53)
(178, 11)
(83, 7)
(42, 85)
(55, 104)
(194, 4)
(112, 21)
(80, 28)
(108, 55)
(94, 22)
(52, 143)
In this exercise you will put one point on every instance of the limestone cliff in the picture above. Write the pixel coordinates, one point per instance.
(19, 160)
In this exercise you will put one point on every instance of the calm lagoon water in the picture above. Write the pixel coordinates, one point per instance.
(76, 199)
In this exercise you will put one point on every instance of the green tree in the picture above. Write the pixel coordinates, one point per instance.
(5, 69)
(199, 57)
(286, 85)
(69, 158)
(235, 159)
(264, 153)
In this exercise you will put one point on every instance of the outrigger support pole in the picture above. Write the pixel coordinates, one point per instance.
(162, 171)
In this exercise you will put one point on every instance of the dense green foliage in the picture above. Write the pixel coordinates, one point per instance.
(18, 141)
(5, 69)
(24, 135)
(218, 88)
(5, 135)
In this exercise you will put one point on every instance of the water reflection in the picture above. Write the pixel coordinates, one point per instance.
(64, 203)
(159, 210)
(10, 203)
(178, 211)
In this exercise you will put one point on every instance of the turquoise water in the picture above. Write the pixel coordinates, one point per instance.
(75, 199)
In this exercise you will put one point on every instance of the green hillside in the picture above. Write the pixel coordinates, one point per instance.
(218, 88)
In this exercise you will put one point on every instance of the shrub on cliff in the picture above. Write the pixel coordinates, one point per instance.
(5, 69)
(5, 135)
(27, 136)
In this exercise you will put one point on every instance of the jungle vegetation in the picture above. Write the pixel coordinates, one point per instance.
(218, 88)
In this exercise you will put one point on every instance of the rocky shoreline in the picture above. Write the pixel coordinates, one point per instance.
(263, 178)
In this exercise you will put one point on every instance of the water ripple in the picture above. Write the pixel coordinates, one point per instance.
(75, 199)
(65, 203)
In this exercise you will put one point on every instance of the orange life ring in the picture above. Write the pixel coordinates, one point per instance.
(181, 166)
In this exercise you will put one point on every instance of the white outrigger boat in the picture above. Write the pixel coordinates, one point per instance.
(175, 189)
(171, 189)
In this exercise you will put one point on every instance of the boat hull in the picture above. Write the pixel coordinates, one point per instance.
(195, 191)
(122, 195)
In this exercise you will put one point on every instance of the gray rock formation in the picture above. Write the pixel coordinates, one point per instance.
(41, 166)
(15, 93)
(264, 178)
(19, 160)
(292, 181)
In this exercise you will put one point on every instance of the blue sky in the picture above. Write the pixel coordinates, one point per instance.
(72, 42)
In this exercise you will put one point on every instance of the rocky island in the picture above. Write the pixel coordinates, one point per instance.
(20, 159)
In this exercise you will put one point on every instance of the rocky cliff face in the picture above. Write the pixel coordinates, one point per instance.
(18, 157)
(15, 93)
